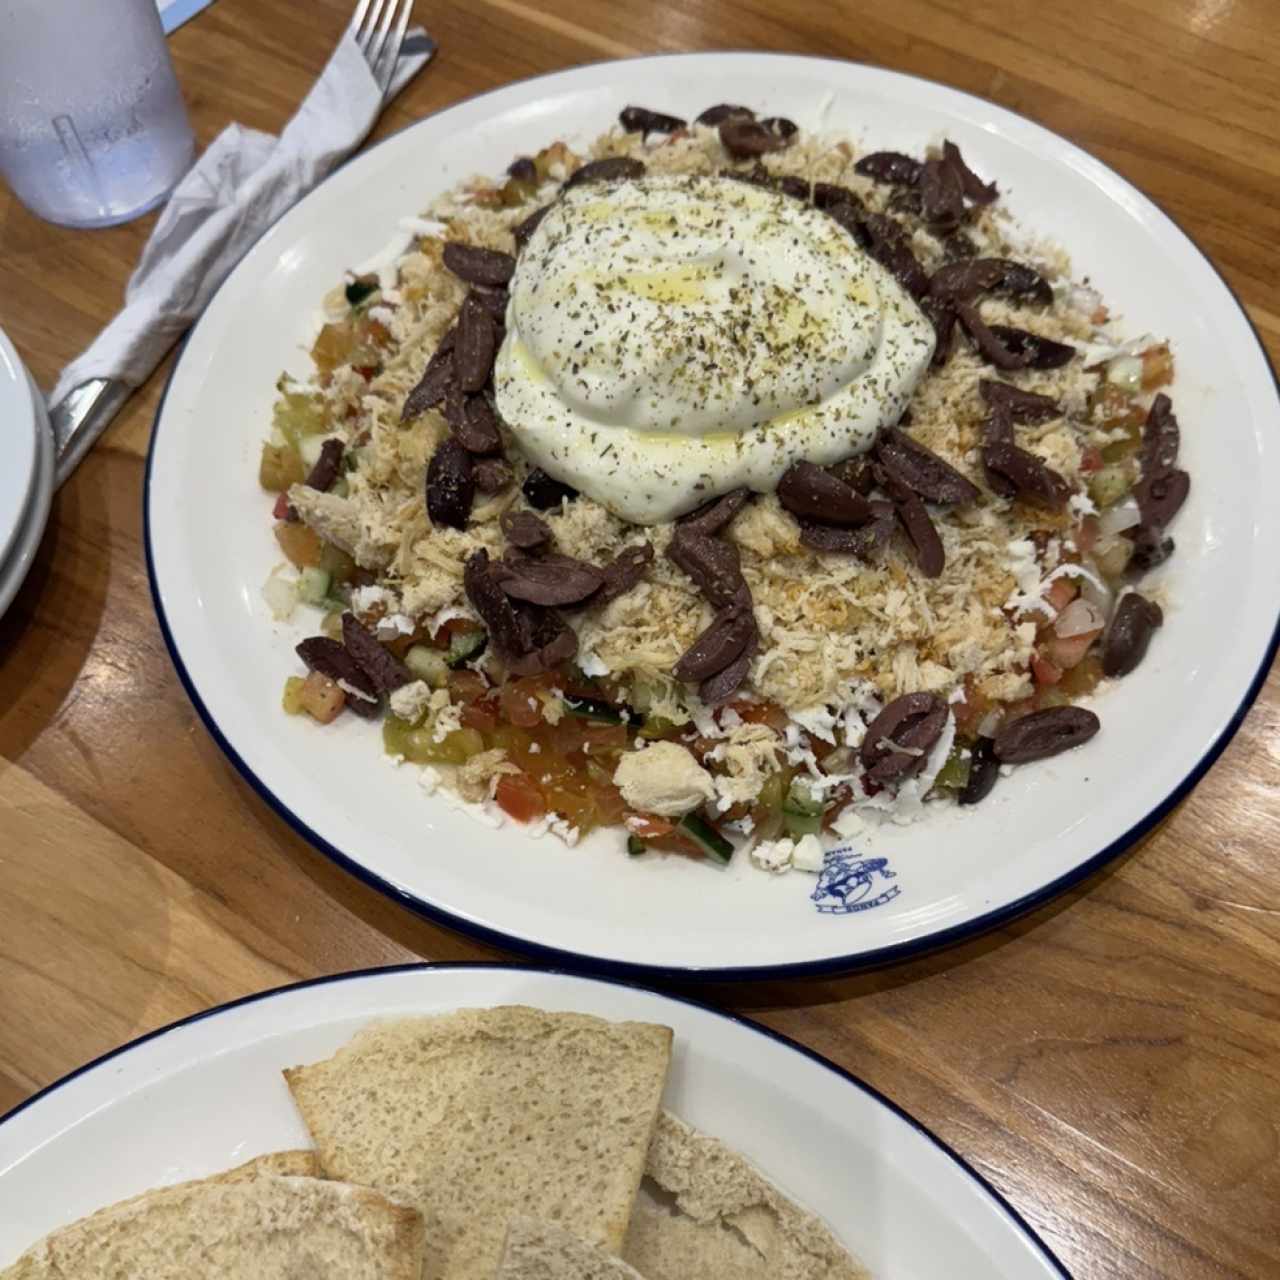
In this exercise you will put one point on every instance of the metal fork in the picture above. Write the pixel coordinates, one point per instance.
(378, 28)
(371, 28)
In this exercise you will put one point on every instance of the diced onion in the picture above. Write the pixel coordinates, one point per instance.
(1095, 590)
(281, 594)
(989, 724)
(1116, 519)
(1079, 617)
(1083, 299)
(1126, 372)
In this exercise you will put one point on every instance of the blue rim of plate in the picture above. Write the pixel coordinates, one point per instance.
(555, 957)
(459, 965)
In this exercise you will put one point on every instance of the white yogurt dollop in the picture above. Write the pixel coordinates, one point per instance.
(674, 337)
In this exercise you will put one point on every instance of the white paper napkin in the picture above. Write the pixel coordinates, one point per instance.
(238, 188)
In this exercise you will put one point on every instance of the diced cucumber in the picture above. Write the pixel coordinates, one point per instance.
(801, 811)
(954, 774)
(658, 727)
(332, 624)
(601, 712)
(292, 699)
(636, 846)
(706, 837)
(428, 664)
(313, 586)
(1110, 484)
(466, 646)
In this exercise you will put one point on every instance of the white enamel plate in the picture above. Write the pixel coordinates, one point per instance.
(903, 889)
(207, 1094)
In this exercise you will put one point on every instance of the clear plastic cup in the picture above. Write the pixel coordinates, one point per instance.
(93, 129)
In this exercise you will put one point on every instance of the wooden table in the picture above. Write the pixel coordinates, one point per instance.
(1112, 1063)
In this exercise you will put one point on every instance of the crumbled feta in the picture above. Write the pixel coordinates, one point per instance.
(411, 700)
(592, 665)
(363, 599)
(447, 720)
(423, 227)
(429, 779)
(569, 834)
(848, 823)
(664, 779)
(820, 721)
(395, 624)
(1080, 505)
(773, 855)
(808, 854)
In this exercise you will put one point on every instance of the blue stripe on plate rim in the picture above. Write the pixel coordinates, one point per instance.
(429, 967)
(599, 966)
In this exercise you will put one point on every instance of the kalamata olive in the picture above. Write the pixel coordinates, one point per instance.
(478, 266)
(1125, 644)
(609, 169)
(1044, 733)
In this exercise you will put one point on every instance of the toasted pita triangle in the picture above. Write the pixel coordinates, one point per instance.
(258, 1225)
(704, 1211)
(542, 1251)
(477, 1116)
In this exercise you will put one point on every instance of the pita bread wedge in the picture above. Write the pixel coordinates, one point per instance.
(262, 1226)
(285, 1164)
(704, 1211)
(542, 1251)
(476, 1116)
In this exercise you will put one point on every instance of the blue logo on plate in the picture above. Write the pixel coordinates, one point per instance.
(847, 883)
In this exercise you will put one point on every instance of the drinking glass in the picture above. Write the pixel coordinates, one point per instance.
(93, 129)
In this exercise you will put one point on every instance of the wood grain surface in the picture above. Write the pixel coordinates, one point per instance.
(1112, 1063)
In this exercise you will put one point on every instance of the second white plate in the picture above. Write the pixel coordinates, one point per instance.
(207, 1094)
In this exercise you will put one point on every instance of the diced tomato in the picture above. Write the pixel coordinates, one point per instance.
(971, 712)
(1065, 653)
(1083, 678)
(1086, 536)
(601, 739)
(301, 545)
(520, 702)
(1091, 459)
(610, 806)
(518, 796)
(1060, 593)
(1157, 368)
(281, 509)
(467, 686)
(479, 715)
(574, 804)
(820, 747)
(762, 713)
(649, 826)
(1043, 671)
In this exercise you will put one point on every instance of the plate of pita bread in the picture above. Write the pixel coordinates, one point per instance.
(485, 1123)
